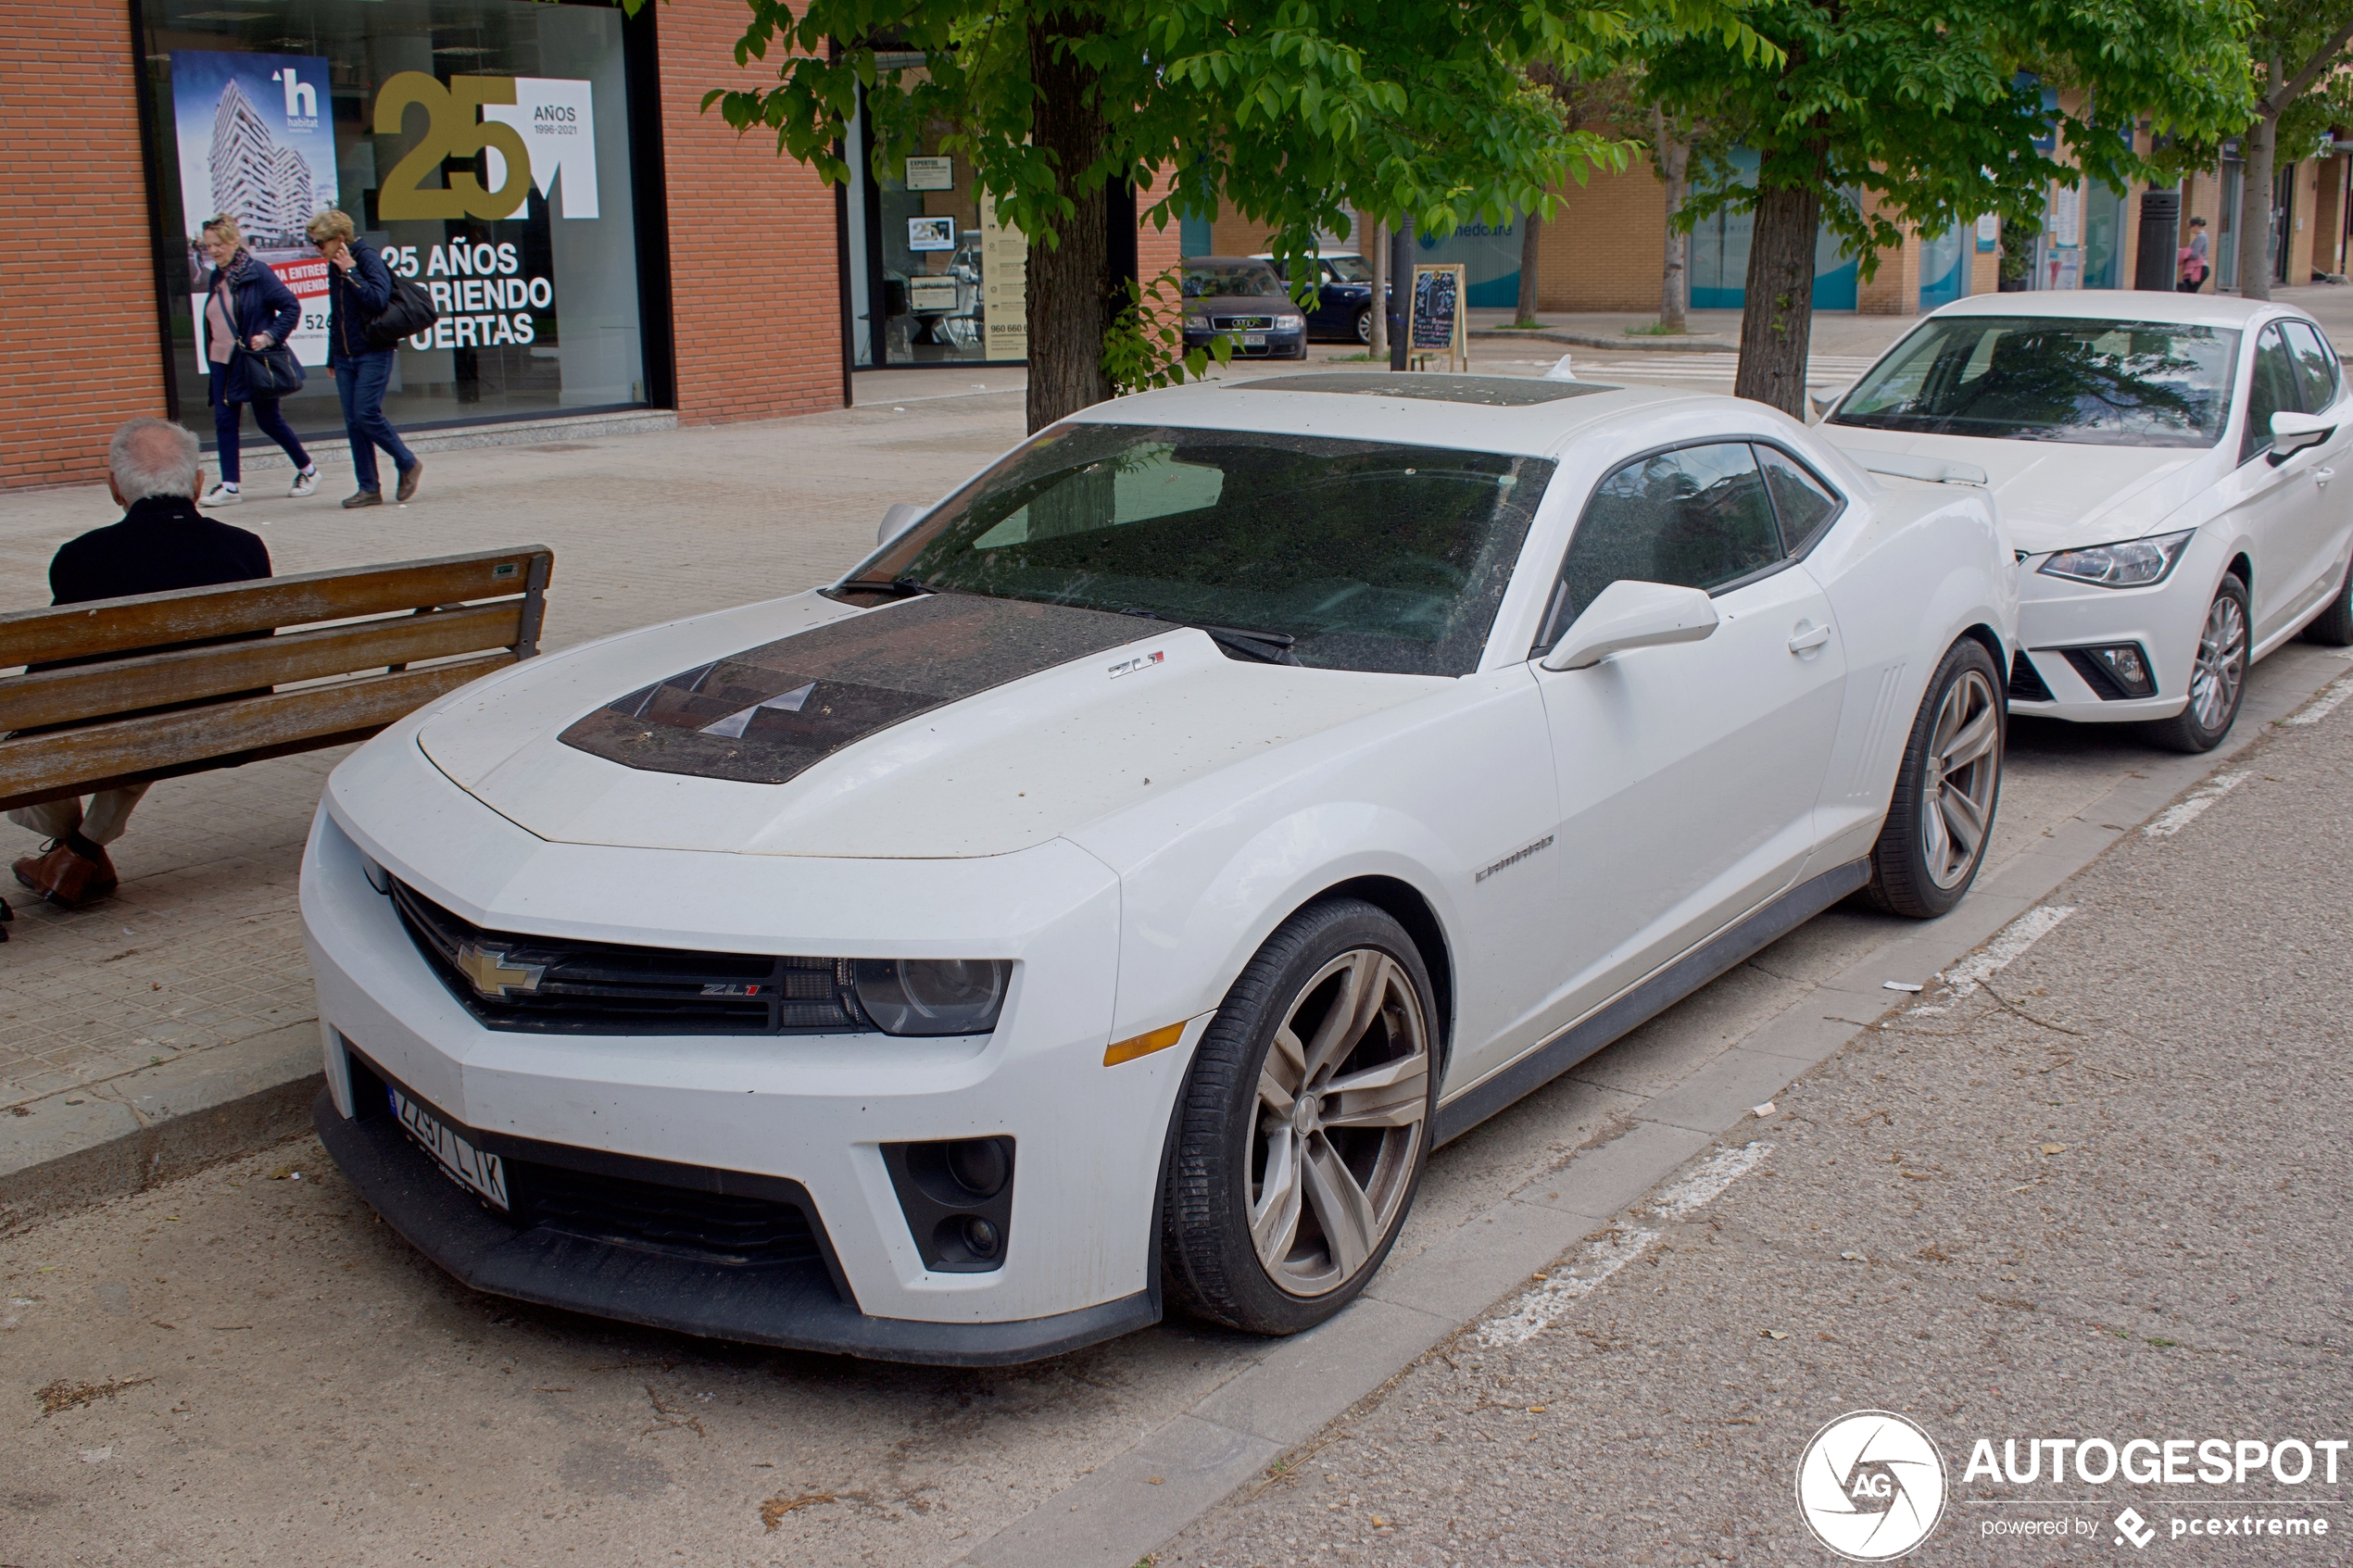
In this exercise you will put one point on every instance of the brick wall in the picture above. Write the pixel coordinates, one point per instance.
(754, 274)
(1606, 247)
(70, 118)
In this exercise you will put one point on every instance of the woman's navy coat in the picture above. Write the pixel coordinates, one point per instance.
(258, 302)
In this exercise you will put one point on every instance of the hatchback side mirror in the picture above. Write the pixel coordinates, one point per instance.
(1627, 615)
(897, 518)
(2292, 432)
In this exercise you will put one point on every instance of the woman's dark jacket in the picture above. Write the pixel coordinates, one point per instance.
(258, 302)
(354, 299)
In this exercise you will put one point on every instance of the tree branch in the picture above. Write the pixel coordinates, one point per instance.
(2276, 101)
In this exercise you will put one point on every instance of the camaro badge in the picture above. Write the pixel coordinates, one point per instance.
(1514, 857)
(1130, 666)
(493, 975)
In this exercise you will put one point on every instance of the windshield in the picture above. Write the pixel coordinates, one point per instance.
(1218, 279)
(2106, 383)
(1350, 269)
(1374, 557)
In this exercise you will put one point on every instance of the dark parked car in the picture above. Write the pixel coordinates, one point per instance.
(1240, 296)
(1344, 304)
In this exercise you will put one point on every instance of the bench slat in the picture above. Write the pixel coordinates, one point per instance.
(44, 767)
(33, 636)
(57, 696)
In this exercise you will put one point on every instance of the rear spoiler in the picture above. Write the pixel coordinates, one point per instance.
(1909, 464)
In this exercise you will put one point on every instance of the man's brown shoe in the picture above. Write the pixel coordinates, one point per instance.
(408, 478)
(73, 871)
(363, 498)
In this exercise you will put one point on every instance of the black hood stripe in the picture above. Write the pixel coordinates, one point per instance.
(769, 714)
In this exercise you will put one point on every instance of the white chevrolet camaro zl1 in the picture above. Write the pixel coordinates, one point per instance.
(2163, 462)
(1109, 893)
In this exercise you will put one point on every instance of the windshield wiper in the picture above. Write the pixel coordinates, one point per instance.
(897, 587)
(1268, 648)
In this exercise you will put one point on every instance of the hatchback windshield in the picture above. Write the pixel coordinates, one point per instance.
(1350, 269)
(2106, 383)
(1216, 280)
(1368, 555)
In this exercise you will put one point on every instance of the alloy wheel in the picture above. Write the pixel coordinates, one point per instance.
(1963, 766)
(2222, 663)
(1343, 1099)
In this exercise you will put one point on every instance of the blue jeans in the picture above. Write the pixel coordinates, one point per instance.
(227, 418)
(360, 384)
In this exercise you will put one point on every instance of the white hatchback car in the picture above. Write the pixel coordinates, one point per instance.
(1111, 891)
(2162, 463)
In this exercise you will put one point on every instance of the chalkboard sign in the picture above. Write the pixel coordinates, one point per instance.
(1438, 323)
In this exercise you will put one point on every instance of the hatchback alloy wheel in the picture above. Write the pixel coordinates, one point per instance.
(2218, 676)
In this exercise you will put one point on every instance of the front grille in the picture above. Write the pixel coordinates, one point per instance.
(715, 1228)
(2026, 682)
(1242, 323)
(606, 989)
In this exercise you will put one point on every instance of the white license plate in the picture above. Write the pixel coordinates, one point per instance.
(477, 1172)
(1253, 340)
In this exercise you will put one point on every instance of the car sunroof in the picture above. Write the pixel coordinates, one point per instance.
(1495, 391)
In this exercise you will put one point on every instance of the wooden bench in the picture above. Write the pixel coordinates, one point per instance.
(337, 683)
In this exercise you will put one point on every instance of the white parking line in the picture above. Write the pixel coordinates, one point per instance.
(1541, 1308)
(2336, 692)
(2173, 819)
(2012, 940)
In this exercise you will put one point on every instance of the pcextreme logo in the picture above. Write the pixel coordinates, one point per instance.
(531, 128)
(1872, 1485)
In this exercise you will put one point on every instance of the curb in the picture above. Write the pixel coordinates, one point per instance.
(1595, 340)
(79, 1147)
(264, 454)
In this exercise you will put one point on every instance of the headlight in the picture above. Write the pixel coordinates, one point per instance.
(933, 996)
(1290, 323)
(2135, 563)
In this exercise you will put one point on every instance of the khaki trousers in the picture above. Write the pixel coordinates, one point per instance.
(102, 823)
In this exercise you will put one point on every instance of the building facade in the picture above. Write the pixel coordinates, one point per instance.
(595, 243)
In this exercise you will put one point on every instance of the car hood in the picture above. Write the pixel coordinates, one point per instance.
(1240, 305)
(2052, 496)
(939, 727)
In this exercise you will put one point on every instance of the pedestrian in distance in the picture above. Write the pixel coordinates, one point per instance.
(359, 288)
(246, 306)
(162, 543)
(2192, 259)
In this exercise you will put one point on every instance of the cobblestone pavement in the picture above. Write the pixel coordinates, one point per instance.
(2098, 1196)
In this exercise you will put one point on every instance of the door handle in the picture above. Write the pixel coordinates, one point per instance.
(2323, 476)
(1805, 641)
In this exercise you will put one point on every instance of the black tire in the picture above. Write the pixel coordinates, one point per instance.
(1362, 331)
(1922, 864)
(1229, 1138)
(2219, 672)
(2332, 627)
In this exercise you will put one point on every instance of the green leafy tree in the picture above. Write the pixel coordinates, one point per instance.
(1289, 112)
(1928, 109)
(2299, 56)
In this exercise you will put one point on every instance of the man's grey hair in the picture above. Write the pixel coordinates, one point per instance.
(152, 457)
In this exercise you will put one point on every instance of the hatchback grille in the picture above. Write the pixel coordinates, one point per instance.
(1242, 323)
(716, 1227)
(563, 986)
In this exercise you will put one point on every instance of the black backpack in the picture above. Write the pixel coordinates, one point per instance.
(407, 312)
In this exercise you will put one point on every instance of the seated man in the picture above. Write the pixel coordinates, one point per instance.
(161, 542)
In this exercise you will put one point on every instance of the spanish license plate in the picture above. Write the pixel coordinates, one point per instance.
(1253, 340)
(481, 1173)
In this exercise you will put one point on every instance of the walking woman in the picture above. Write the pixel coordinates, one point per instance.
(247, 303)
(358, 287)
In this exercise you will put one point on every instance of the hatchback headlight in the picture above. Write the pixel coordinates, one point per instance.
(2134, 563)
(1290, 323)
(933, 996)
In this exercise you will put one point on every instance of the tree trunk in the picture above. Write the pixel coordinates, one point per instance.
(1071, 297)
(1531, 234)
(2255, 206)
(1673, 158)
(1776, 317)
(1379, 348)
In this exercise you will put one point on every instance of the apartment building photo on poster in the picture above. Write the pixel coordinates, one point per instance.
(257, 142)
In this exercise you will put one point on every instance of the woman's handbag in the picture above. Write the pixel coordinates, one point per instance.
(407, 313)
(271, 372)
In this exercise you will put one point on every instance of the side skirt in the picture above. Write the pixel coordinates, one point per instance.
(1647, 998)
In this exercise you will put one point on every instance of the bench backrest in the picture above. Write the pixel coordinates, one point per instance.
(349, 643)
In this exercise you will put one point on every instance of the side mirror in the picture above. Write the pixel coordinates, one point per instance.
(1821, 403)
(897, 518)
(2292, 432)
(1628, 614)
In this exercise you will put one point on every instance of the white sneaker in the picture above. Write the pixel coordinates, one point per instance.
(305, 483)
(220, 495)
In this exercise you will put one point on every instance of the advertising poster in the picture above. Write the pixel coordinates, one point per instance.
(1004, 272)
(256, 139)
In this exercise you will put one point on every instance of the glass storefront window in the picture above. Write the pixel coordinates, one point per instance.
(482, 146)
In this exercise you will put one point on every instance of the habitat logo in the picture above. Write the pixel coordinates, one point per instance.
(1872, 1485)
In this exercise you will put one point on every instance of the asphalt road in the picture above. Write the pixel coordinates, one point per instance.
(2102, 1196)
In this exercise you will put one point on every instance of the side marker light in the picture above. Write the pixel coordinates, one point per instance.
(1143, 1044)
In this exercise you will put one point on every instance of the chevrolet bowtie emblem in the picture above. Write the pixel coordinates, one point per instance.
(493, 975)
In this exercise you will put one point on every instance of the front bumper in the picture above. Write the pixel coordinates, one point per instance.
(2054, 615)
(1279, 345)
(814, 1111)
